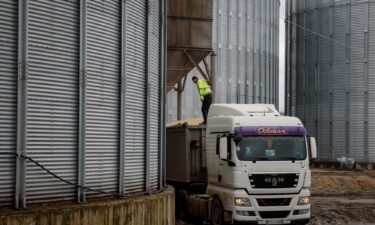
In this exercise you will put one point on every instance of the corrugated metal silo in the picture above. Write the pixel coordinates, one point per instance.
(245, 39)
(331, 55)
(81, 93)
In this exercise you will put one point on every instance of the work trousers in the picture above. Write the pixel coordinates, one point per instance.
(206, 106)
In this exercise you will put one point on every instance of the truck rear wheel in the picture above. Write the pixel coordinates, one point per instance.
(181, 205)
(217, 212)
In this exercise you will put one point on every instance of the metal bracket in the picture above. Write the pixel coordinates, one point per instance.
(196, 65)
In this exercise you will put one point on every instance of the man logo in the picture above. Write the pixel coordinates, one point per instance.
(274, 182)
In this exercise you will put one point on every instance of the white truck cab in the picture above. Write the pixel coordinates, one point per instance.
(257, 165)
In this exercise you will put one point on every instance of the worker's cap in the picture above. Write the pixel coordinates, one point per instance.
(194, 78)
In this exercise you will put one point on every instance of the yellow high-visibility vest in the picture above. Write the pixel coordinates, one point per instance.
(203, 88)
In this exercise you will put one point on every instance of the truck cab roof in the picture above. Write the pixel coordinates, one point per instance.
(228, 116)
(243, 110)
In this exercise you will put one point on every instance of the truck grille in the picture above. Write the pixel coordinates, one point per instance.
(273, 201)
(274, 214)
(282, 180)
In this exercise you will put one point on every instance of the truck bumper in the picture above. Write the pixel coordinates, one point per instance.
(262, 213)
(295, 222)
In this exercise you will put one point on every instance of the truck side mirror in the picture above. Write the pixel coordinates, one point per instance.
(223, 148)
(313, 148)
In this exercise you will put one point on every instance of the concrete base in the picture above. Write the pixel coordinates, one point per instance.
(156, 209)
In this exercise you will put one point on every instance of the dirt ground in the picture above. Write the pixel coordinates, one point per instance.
(350, 210)
(343, 197)
(336, 182)
(340, 198)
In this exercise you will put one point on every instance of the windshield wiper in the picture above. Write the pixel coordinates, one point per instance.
(293, 159)
(254, 159)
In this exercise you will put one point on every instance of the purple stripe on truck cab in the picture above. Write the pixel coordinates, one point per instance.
(270, 131)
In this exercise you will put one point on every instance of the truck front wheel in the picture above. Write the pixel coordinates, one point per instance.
(217, 212)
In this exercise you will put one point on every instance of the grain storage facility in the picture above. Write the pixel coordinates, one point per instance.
(81, 93)
(245, 37)
(331, 74)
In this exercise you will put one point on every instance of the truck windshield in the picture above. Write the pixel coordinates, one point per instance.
(271, 148)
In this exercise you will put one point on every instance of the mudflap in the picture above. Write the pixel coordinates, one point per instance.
(228, 219)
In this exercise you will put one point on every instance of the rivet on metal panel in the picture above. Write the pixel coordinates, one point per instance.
(19, 69)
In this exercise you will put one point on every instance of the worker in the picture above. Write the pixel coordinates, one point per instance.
(205, 95)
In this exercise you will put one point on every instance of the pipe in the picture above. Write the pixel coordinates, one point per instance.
(179, 100)
(20, 188)
(213, 75)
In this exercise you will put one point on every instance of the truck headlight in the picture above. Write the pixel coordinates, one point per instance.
(245, 202)
(304, 200)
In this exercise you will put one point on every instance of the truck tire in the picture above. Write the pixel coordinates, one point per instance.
(300, 222)
(217, 212)
(181, 206)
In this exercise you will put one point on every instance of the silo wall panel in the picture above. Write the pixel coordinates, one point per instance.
(262, 52)
(357, 82)
(215, 6)
(303, 60)
(242, 45)
(8, 98)
(250, 51)
(324, 82)
(135, 86)
(371, 82)
(220, 14)
(233, 49)
(103, 94)
(155, 89)
(257, 53)
(53, 85)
